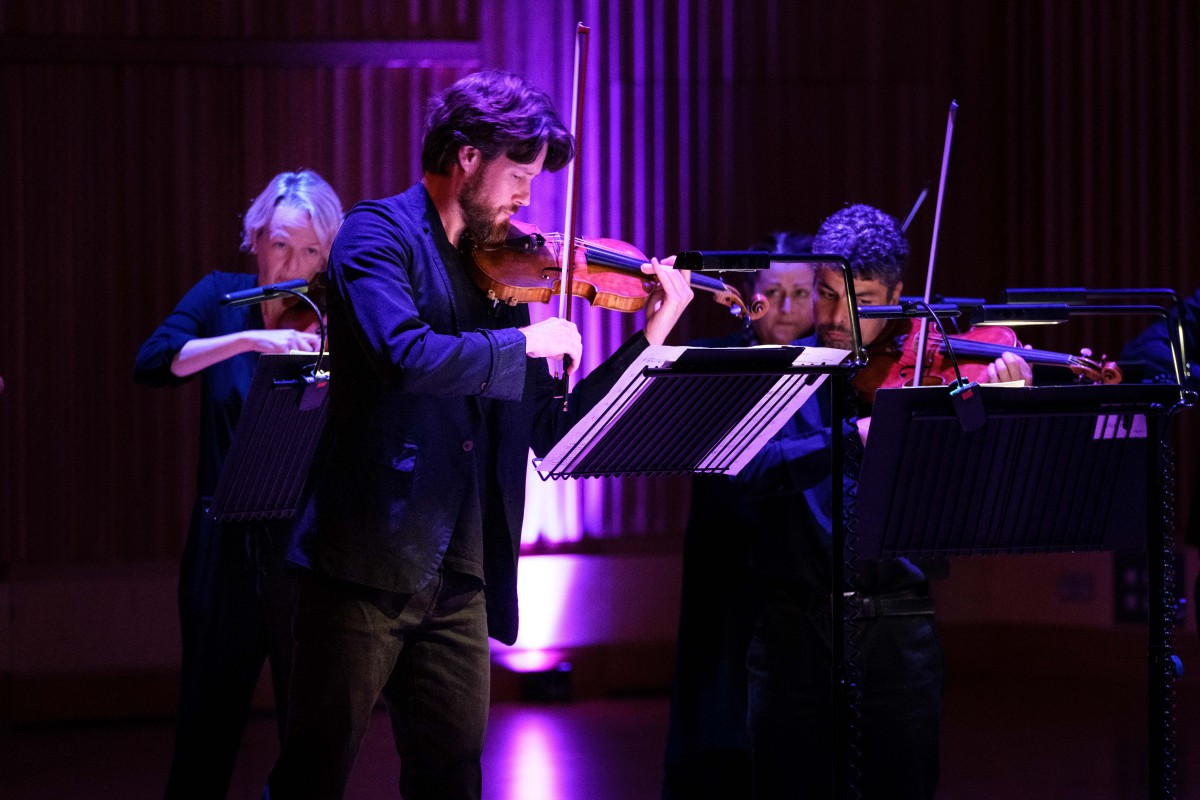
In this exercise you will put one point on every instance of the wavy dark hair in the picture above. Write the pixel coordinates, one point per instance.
(785, 242)
(778, 242)
(869, 239)
(499, 114)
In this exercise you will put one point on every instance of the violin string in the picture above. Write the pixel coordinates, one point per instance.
(945, 341)
(969, 347)
(620, 259)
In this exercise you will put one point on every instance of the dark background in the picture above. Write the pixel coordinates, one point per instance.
(133, 134)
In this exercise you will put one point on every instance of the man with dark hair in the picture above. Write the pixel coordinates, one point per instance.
(895, 649)
(409, 541)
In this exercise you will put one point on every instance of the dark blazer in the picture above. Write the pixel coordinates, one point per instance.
(404, 415)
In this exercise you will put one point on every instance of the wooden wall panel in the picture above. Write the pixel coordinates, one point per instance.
(125, 182)
(257, 19)
(133, 135)
(712, 122)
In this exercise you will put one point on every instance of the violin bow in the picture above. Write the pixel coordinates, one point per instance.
(568, 246)
(916, 207)
(923, 326)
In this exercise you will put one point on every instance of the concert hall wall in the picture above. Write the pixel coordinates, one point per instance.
(134, 134)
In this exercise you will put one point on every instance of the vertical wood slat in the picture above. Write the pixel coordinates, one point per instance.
(1069, 142)
(253, 19)
(124, 183)
(112, 217)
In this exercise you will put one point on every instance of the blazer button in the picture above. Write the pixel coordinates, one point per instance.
(468, 445)
(483, 386)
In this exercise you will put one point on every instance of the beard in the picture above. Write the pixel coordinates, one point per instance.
(481, 219)
(833, 336)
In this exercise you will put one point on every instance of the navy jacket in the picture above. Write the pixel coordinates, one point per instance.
(404, 416)
(794, 482)
(1153, 345)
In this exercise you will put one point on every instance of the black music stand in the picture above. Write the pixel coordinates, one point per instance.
(705, 411)
(708, 412)
(1053, 469)
(277, 433)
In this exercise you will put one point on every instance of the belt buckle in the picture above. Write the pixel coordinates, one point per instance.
(865, 603)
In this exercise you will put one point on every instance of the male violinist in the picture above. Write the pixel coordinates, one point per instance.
(409, 542)
(896, 650)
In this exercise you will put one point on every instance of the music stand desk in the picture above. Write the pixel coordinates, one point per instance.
(1053, 469)
(276, 437)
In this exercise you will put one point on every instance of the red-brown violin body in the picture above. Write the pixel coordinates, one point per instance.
(892, 358)
(528, 266)
(294, 313)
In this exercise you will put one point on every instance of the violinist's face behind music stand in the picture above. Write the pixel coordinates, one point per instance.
(288, 247)
(829, 307)
(788, 289)
(492, 191)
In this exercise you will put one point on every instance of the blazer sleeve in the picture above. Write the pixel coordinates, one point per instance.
(1154, 344)
(375, 268)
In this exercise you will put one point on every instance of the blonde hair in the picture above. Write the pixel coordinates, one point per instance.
(303, 189)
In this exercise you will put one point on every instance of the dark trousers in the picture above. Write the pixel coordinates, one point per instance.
(235, 609)
(708, 747)
(427, 654)
(900, 669)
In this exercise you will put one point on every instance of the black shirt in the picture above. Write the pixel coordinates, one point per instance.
(223, 386)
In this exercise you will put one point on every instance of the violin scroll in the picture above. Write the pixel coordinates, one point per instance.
(732, 298)
(1102, 371)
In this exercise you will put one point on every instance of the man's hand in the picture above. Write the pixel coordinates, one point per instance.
(554, 338)
(1009, 367)
(668, 299)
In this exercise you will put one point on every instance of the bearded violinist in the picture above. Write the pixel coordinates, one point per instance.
(898, 656)
(409, 543)
(235, 600)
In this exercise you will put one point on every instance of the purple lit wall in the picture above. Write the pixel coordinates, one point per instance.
(712, 122)
(133, 134)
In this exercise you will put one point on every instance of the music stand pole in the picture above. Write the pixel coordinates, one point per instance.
(1163, 665)
(840, 717)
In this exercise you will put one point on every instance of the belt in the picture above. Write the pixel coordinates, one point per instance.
(894, 604)
(904, 604)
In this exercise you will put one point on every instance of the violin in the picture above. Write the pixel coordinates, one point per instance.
(892, 358)
(527, 268)
(297, 314)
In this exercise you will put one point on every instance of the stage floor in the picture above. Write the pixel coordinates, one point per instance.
(1000, 742)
